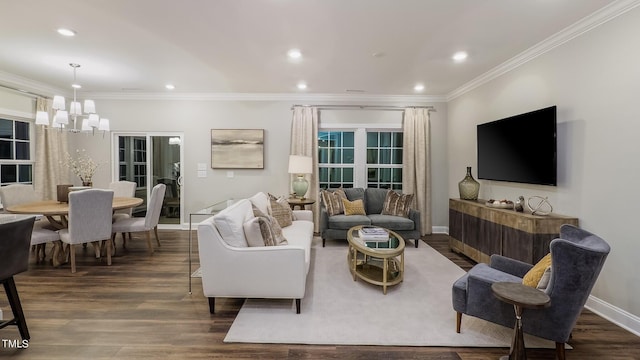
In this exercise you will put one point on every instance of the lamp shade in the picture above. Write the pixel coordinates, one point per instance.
(104, 125)
(299, 164)
(89, 107)
(94, 120)
(58, 103)
(62, 117)
(42, 118)
(75, 108)
(85, 125)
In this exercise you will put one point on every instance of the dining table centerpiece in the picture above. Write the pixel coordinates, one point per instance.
(83, 166)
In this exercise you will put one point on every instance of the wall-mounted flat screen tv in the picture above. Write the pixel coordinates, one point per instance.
(520, 148)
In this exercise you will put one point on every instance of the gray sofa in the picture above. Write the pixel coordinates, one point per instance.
(336, 226)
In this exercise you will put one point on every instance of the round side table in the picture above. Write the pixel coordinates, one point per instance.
(521, 297)
(293, 202)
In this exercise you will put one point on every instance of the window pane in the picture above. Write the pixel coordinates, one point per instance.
(6, 149)
(397, 175)
(6, 129)
(397, 156)
(123, 172)
(323, 139)
(397, 187)
(8, 173)
(347, 156)
(373, 186)
(385, 175)
(372, 174)
(385, 156)
(323, 156)
(22, 150)
(323, 174)
(25, 173)
(347, 139)
(335, 156)
(385, 139)
(335, 175)
(397, 139)
(347, 175)
(22, 130)
(372, 139)
(372, 156)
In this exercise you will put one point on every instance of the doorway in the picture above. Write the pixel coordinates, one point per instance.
(149, 159)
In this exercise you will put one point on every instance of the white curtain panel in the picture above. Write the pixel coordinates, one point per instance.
(304, 141)
(416, 167)
(51, 149)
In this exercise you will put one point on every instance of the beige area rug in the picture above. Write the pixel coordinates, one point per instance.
(336, 310)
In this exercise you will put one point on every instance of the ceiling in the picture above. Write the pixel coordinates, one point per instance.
(381, 47)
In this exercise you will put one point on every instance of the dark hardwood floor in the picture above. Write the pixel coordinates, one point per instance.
(139, 308)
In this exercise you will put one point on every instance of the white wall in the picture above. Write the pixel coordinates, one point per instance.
(196, 118)
(595, 82)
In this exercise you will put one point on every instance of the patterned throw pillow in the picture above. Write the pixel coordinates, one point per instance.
(270, 230)
(332, 201)
(282, 212)
(396, 204)
(355, 207)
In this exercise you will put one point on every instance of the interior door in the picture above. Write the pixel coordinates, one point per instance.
(149, 159)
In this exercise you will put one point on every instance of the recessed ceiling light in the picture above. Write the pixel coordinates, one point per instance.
(459, 56)
(170, 86)
(76, 86)
(302, 86)
(294, 54)
(418, 87)
(66, 32)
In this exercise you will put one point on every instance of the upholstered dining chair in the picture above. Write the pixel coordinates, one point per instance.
(89, 221)
(15, 239)
(123, 189)
(43, 231)
(577, 257)
(148, 223)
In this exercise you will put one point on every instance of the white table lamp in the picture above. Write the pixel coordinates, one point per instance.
(300, 165)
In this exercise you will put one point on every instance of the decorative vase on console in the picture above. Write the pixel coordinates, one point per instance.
(469, 187)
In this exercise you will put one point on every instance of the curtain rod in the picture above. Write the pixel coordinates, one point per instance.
(365, 107)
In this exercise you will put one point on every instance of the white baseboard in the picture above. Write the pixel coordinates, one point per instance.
(614, 314)
(440, 230)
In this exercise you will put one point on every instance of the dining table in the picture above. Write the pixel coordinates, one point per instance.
(57, 213)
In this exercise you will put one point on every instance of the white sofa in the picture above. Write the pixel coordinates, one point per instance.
(240, 271)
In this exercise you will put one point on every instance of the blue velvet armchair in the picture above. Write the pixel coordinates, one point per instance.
(577, 258)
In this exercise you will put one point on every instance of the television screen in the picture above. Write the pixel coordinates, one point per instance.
(519, 148)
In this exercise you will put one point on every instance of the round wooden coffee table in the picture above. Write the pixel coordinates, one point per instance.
(521, 297)
(378, 263)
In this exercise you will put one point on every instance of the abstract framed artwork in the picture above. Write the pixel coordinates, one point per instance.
(237, 148)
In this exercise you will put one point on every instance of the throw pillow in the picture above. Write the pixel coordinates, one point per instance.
(282, 212)
(253, 232)
(544, 280)
(270, 224)
(355, 207)
(397, 204)
(533, 276)
(332, 201)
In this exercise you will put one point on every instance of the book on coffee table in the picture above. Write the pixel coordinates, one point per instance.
(373, 234)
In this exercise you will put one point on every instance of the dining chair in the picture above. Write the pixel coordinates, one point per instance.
(43, 231)
(145, 224)
(14, 259)
(123, 189)
(89, 221)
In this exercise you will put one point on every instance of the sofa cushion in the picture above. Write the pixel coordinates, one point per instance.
(397, 204)
(355, 207)
(391, 222)
(229, 223)
(300, 234)
(374, 199)
(346, 222)
(354, 194)
(261, 201)
(332, 201)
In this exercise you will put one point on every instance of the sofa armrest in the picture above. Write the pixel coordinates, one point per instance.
(414, 215)
(509, 265)
(324, 219)
(303, 215)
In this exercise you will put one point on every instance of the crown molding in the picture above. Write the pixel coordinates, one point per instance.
(21, 83)
(590, 22)
(413, 99)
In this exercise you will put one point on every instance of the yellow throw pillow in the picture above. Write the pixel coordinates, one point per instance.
(532, 278)
(355, 207)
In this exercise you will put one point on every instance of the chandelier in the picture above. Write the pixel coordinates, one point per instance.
(87, 122)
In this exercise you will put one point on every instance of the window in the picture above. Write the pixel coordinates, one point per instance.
(15, 152)
(133, 167)
(360, 158)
